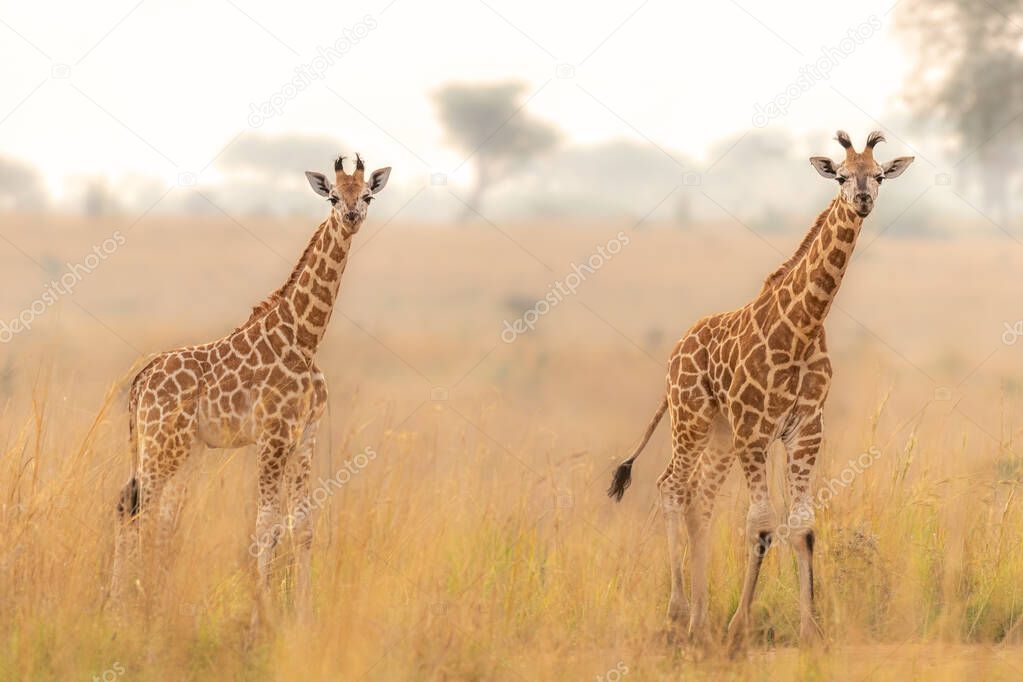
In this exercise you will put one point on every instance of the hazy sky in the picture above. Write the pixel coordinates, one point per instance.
(160, 86)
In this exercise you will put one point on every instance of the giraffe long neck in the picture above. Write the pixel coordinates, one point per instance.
(808, 287)
(307, 300)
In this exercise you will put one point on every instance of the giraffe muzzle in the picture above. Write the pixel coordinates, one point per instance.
(863, 205)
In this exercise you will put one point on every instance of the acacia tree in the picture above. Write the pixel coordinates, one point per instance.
(21, 187)
(280, 157)
(266, 173)
(969, 74)
(488, 123)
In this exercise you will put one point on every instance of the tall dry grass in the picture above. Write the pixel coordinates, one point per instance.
(478, 543)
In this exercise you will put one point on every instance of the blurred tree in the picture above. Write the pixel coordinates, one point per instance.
(265, 174)
(969, 73)
(618, 177)
(281, 157)
(487, 123)
(98, 199)
(21, 187)
(752, 177)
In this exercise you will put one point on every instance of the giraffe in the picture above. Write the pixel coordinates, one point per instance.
(258, 385)
(738, 381)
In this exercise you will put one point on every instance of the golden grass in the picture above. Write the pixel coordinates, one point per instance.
(479, 544)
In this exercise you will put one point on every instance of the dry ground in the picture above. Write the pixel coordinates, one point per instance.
(478, 543)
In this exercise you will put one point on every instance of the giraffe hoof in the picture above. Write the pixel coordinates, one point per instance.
(678, 612)
(699, 645)
(675, 624)
(675, 634)
(698, 637)
(810, 636)
(735, 640)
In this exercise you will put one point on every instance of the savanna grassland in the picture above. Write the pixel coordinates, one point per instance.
(477, 542)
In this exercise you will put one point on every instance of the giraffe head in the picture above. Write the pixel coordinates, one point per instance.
(859, 175)
(349, 195)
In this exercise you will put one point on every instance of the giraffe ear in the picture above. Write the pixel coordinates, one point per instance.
(319, 183)
(824, 166)
(894, 168)
(378, 180)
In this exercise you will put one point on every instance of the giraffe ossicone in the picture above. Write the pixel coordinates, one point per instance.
(741, 380)
(259, 385)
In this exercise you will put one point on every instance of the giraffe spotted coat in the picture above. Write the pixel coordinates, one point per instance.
(259, 385)
(739, 381)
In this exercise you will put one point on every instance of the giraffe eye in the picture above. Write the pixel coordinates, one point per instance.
(879, 178)
(841, 179)
(367, 199)
(332, 200)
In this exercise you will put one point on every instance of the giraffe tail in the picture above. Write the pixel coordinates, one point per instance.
(623, 474)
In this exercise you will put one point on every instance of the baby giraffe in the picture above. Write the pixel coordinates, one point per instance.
(258, 385)
(738, 381)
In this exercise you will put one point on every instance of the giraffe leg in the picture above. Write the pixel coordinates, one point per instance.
(671, 504)
(167, 514)
(715, 464)
(300, 507)
(172, 499)
(140, 534)
(136, 547)
(690, 431)
(802, 449)
(274, 450)
(300, 516)
(127, 544)
(759, 535)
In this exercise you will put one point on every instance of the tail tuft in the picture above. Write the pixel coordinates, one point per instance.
(623, 474)
(621, 481)
(128, 505)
